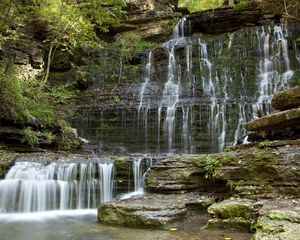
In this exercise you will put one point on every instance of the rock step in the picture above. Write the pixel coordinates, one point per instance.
(276, 120)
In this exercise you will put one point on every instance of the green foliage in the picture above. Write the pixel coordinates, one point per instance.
(130, 42)
(265, 144)
(49, 136)
(117, 99)
(210, 168)
(198, 5)
(27, 101)
(30, 137)
(73, 22)
(242, 3)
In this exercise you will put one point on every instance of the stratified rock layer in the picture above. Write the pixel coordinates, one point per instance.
(263, 170)
(276, 120)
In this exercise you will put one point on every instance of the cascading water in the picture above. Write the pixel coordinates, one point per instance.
(198, 91)
(138, 175)
(33, 186)
(274, 74)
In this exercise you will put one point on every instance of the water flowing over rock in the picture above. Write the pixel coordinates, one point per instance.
(196, 91)
(41, 183)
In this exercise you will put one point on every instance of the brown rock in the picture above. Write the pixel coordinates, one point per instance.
(287, 99)
(276, 120)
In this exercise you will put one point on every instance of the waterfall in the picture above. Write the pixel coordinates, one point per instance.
(274, 73)
(35, 186)
(172, 86)
(106, 176)
(138, 175)
(198, 91)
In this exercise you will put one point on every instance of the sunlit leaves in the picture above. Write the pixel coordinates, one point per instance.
(197, 5)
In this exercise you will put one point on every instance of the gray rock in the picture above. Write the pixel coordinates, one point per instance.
(151, 210)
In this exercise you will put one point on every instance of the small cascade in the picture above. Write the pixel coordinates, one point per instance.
(106, 176)
(33, 186)
(138, 175)
(147, 78)
(172, 87)
(274, 74)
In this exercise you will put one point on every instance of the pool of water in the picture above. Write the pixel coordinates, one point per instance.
(83, 225)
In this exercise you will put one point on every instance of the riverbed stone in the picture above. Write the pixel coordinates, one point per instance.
(232, 214)
(149, 210)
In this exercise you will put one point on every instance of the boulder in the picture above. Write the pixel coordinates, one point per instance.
(150, 210)
(232, 208)
(286, 99)
(232, 214)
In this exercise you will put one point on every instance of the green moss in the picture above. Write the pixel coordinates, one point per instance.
(232, 208)
(265, 144)
(283, 214)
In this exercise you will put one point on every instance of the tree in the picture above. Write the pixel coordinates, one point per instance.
(74, 22)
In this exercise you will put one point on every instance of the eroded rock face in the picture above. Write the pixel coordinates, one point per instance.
(263, 170)
(181, 174)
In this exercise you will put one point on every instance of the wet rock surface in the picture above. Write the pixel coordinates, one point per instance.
(283, 124)
(151, 210)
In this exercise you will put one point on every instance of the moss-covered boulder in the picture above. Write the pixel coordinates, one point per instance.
(233, 208)
(232, 214)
